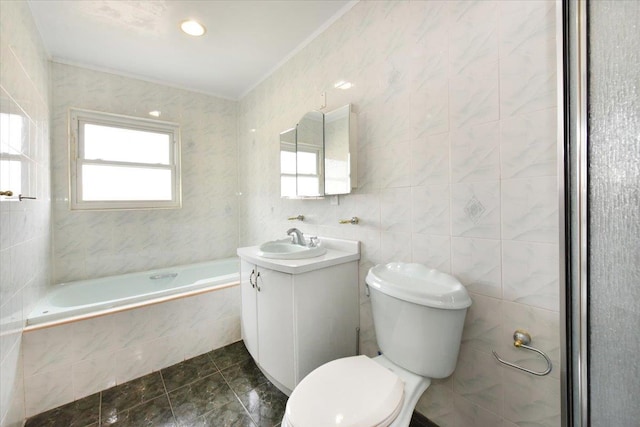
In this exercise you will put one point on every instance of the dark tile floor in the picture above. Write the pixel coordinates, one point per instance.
(221, 388)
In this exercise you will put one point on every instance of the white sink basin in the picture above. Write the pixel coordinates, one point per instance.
(284, 249)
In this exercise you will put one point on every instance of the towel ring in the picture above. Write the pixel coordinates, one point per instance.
(522, 339)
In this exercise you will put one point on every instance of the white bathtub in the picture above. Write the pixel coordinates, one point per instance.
(88, 298)
(88, 336)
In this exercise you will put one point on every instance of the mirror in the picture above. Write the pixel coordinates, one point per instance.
(310, 155)
(339, 153)
(318, 156)
(288, 163)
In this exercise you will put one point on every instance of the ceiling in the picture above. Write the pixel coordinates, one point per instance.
(246, 40)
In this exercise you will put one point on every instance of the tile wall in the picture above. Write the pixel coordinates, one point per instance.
(456, 104)
(25, 227)
(91, 244)
(68, 362)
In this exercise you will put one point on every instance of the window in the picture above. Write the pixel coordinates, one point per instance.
(120, 162)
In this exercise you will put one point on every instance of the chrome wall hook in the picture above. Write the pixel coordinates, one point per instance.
(522, 339)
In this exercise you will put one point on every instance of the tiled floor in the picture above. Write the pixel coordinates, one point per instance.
(220, 388)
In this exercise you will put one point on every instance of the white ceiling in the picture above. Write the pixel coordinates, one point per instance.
(246, 40)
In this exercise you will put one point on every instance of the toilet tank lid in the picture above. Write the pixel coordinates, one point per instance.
(419, 284)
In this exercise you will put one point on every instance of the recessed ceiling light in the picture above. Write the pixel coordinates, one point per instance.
(192, 27)
(344, 85)
(155, 113)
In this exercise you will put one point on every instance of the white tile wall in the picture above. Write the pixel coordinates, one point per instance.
(68, 362)
(95, 244)
(456, 169)
(25, 227)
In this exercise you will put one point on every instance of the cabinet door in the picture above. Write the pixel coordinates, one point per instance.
(275, 325)
(249, 308)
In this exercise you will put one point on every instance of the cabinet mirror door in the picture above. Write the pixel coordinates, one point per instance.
(310, 155)
(288, 163)
(339, 155)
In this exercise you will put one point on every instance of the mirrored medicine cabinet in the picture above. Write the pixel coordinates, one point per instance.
(318, 156)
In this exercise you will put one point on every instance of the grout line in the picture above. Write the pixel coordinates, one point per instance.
(164, 385)
(237, 397)
(100, 410)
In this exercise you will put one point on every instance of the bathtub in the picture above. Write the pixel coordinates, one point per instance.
(87, 336)
(89, 298)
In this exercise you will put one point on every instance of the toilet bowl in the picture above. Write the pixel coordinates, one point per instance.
(418, 316)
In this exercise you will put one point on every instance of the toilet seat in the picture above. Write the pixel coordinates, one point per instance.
(349, 392)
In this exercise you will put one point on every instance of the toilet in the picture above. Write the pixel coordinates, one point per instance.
(418, 314)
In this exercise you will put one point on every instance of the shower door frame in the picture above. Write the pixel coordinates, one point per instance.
(573, 204)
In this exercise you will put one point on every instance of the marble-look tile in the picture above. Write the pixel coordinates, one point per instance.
(48, 390)
(229, 355)
(429, 108)
(474, 34)
(528, 79)
(530, 273)
(153, 413)
(93, 375)
(471, 415)
(198, 398)
(81, 413)
(395, 209)
(478, 378)
(396, 169)
(12, 386)
(165, 351)
(243, 376)
(186, 372)
(232, 414)
(265, 404)
(432, 251)
(475, 153)
(437, 400)
(429, 209)
(531, 400)
(482, 325)
(130, 394)
(209, 155)
(395, 247)
(134, 361)
(430, 160)
(475, 209)
(528, 145)
(477, 263)
(47, 349)
(524, 23)
(132, 327)
(474, 96)
(10, 322)
(92, 337)
(530, 209)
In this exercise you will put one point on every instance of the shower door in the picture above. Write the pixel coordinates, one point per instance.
(602, 171)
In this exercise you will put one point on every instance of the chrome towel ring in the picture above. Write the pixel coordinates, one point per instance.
(522, 339)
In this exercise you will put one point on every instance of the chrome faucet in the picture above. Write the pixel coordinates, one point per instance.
(296, 235)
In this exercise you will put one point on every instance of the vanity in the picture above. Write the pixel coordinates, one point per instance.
(298, 314)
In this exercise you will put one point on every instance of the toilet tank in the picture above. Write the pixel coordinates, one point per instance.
(418, 314)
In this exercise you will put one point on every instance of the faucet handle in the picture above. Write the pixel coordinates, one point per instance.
(313, 241)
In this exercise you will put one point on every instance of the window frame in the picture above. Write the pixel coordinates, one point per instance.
(78, 117)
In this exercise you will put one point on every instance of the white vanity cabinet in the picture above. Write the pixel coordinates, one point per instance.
(299, 314)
